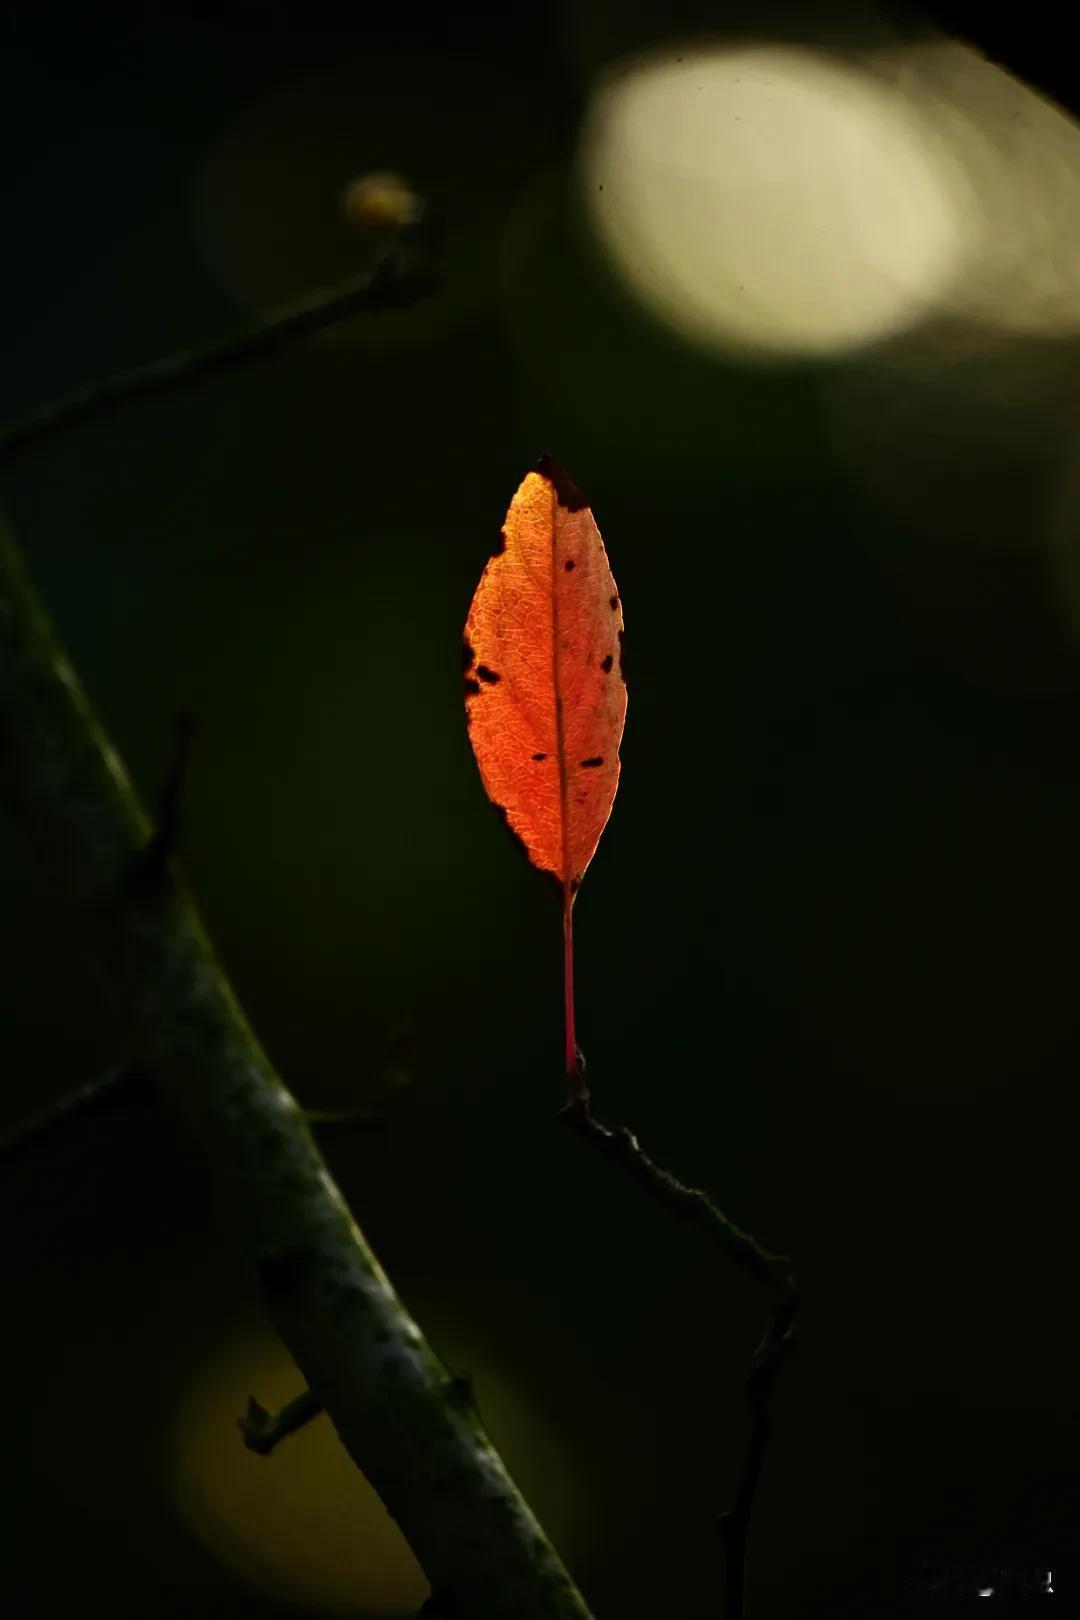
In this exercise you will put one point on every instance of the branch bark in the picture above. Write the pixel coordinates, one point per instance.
(404, 1420)
(401, 275)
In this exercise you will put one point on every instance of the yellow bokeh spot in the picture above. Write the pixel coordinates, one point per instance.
(380, 202)
(303, 1525)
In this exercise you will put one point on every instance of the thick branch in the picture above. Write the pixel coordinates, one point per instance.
(399, 1413)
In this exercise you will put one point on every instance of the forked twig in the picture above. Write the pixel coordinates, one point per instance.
(774, 1270)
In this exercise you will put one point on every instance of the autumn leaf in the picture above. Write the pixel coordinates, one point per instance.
(545, 698)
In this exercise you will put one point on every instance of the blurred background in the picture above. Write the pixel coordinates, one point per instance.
(794, 294)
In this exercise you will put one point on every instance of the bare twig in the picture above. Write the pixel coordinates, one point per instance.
(263, 1430)
(769, 1357)
(691, 1204)
(95, 1097)
(400, 275)
(350, 1119)
(372, 1115)
(164, 839)
(98, 1094)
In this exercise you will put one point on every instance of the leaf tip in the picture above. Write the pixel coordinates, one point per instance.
(566, 491)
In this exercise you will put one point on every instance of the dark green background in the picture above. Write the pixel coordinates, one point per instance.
(829, 951)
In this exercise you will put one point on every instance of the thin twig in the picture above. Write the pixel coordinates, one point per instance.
(263, 1430)
(166, 834)
(372, 1115)
(769, 1357)
(105, 1089)
(400, 275)
(352, 1119)
(691, 1204)
(73, 1107)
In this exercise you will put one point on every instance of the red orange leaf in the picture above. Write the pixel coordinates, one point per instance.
(545, 697)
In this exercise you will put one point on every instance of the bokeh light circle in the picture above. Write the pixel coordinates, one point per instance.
(265, 203)
(768, 199)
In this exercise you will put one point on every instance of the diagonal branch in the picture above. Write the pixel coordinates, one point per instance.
(400, 275)
(689, 1203)
(395, 1407)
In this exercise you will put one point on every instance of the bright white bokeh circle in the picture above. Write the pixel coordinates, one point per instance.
(770, 199)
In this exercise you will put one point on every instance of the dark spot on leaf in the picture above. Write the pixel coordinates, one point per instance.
(471, 686)
(487, 675)
(500, 545)
(598, 759)
(467, 654)
(539, 756)
(606, 663)
(569, 565)
(613, 603)
(566, 491)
